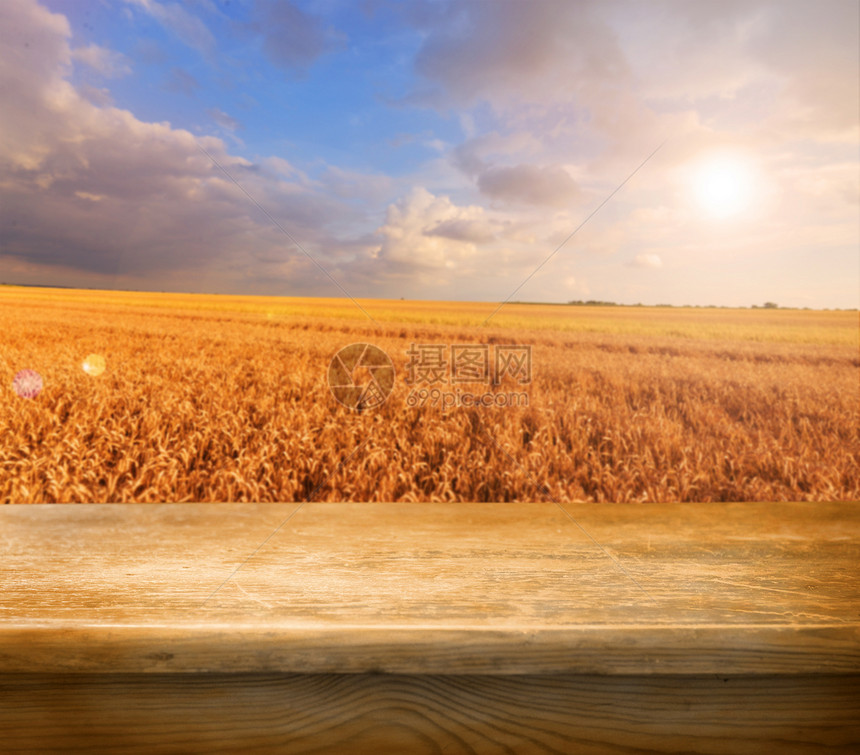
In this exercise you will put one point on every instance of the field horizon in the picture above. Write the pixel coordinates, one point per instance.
(488, 302)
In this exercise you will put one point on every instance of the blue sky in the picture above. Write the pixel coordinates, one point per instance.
(434, 149)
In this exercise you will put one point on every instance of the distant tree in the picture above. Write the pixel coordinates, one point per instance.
(771, 305)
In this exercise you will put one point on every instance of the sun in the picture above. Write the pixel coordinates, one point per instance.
(723, 186)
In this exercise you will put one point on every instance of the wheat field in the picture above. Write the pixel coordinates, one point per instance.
(209, 398)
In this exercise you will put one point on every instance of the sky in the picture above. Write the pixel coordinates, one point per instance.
(435, 149)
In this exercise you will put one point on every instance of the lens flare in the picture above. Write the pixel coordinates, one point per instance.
(94, 365)
(28, 384)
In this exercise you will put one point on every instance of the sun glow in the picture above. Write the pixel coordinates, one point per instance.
(724, 186)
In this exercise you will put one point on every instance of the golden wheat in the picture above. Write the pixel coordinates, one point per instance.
(227, 400)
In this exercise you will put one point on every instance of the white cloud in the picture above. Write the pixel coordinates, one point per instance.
(108, 63)
(648, 260)
(89, 197)
(96, 95)
(426, 231)
(187, 27)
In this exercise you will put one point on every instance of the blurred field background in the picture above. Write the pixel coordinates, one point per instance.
(225, 398)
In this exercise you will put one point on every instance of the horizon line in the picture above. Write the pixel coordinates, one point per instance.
(571, 303)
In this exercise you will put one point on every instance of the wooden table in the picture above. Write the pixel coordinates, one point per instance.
(430, 628)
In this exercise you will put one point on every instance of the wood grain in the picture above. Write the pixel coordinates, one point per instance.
(431, 588)
(430, 628)
(374, 713)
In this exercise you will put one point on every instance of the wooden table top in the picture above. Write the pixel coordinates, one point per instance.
(752, 588)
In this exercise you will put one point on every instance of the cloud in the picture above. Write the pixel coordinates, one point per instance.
(428, 231)
(292, 38)
(531, 184)
(181, 82)
(352, 185)
(471, 230)
(477, 153)
(132, 200)
(555, 102)
(187, 27)
(149, 51)
(108, 63)
(223, 120)
(647, 260)
(552, 69)
(671, 47)
(560, 101)
(814, 49)
(574, 74)
(478, 50)
(96, 95)
(522, 183)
